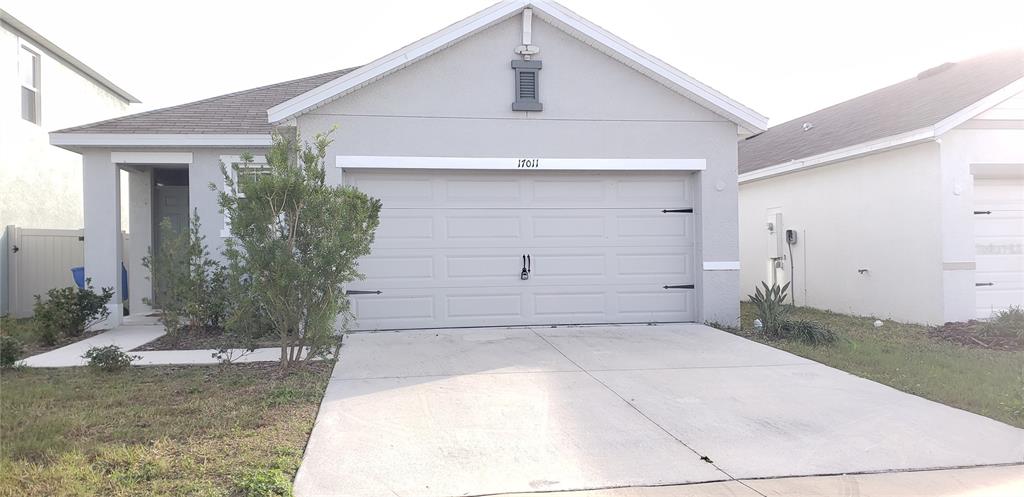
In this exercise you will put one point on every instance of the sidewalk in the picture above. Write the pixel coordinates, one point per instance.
(993, 481)
(135, 332)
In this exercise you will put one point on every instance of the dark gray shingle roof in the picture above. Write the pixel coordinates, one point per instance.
(913, 104)
(243, 112)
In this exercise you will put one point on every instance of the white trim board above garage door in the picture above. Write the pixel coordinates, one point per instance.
(601, 248)
(508, 163)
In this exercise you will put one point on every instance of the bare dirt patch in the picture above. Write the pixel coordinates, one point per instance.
(978, 334)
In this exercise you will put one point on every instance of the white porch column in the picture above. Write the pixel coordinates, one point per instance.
(102, 208)
(140, 219)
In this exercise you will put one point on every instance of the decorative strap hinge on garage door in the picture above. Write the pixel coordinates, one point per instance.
(983, 212)
(984, 284)
(362, 292)
(675, 211)
(678, 287)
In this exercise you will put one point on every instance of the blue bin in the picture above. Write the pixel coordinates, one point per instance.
(78, 274)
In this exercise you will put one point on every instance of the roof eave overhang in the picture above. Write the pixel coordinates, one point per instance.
(550, 12)
(890, 142)
(75, 141)
(55, 51)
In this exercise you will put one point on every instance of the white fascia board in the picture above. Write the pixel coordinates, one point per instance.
(850, 152)
(520, 163)
(157, 140)
(395, 60)
(973, 110)
(551, 12)
(721, 265)
(151, 157)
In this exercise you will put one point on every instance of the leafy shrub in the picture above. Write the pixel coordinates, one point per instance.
(771, 308)
(1005, 323)
(296, 241)
(70, 311)
(109, 358)
(10, 351)
(809, 332)
(264, 483)
(191, 287)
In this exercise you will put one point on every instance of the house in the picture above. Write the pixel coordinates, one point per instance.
(44, 88)
(904, 203)
(533, 168)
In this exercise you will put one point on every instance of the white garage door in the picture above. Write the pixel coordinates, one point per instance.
(450, 247)
(999, 241)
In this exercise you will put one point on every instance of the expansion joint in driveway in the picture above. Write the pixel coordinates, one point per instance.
(702, 457)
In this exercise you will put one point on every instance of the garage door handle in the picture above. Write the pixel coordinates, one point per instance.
(984, 284)
(362, 292)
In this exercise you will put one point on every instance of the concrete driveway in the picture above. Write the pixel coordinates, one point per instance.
(491, 411)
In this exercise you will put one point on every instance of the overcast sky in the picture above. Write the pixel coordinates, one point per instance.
(782, 58)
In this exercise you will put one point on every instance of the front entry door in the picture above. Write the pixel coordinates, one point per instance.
(171, 203)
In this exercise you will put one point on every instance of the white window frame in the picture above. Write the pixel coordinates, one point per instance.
(230, 161)
(37, 70)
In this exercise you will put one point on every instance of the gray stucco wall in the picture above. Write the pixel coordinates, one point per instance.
(457, 103)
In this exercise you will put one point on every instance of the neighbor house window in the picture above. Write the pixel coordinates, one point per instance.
(28, 70)
(239, 169)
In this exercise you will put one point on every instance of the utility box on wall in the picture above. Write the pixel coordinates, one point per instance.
(776, 236)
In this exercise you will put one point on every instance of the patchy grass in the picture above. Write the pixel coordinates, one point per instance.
(903, 356)
(163, 431)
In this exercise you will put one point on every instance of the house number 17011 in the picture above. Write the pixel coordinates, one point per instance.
(529, 163)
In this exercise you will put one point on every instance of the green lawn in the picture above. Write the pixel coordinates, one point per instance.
(986, 382)
(165, 431)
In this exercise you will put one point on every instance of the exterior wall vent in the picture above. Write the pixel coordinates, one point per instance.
(527, 85)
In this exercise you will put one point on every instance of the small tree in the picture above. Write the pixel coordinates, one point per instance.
(296, 241)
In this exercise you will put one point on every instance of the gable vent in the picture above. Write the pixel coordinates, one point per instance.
(527, 85)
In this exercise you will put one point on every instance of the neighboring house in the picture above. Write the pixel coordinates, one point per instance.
(907, 203)
(44, 88)
(521, 132)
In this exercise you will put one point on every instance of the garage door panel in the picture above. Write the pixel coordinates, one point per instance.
(569, 306)
(999, 244)
(465, 228)
(449, 250)
(501, 267)
(554, 267)
(454, 228)
(492, 267)
(667, 305)
(570, 191)
(569, 226)
(407, 189)
(473, 305)
(395, 190)
(394, 310)
(398, 267)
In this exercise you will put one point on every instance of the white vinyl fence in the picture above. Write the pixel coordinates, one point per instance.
(39, 260)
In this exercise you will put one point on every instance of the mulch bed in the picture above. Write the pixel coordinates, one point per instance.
(199, 341)
(969, 334)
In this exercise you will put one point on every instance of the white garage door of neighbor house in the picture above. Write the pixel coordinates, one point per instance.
(999, 242)
(450, 247)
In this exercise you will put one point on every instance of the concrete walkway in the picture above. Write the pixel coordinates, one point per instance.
(137, 331)
(993, 481)
(498, 411)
